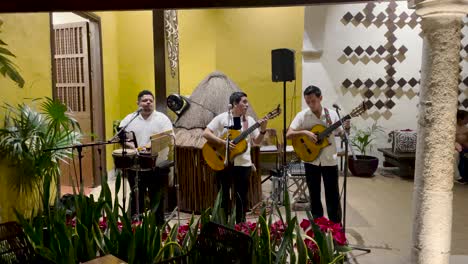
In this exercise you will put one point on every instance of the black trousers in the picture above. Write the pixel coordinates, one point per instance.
(151, 183)
(235, 178)
(463, 165)
(314, 175)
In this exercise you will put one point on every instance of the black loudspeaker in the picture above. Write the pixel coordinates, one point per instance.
(283, 67)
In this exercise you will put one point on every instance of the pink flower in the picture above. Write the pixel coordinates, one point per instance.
(310, 233)
(103, 223)
(305, 224)
(323, 223)
(182, 232)
(119, 226)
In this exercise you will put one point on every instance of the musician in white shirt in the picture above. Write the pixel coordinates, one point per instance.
(238, 174)
(325, 166)
(147, 123)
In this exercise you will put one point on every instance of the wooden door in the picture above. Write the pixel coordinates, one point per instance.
(73, 88)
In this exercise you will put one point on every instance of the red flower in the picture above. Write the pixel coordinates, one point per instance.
(310, 233)
(119, 226)
(182, 232)
(305, 224)
(340, 238)
(71, 221)
(323, 223)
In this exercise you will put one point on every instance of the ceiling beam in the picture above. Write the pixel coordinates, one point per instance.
(16, 6)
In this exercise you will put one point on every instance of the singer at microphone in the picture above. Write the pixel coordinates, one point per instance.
(145, 122)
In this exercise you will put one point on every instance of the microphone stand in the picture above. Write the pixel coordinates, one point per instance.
(122, 135)
(345, 181)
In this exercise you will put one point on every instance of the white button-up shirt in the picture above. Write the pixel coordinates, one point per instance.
(144, 128)
(305, 120)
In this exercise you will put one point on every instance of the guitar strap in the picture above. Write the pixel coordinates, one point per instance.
(327, 116)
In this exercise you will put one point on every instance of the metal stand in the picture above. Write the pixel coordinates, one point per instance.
(345, 181)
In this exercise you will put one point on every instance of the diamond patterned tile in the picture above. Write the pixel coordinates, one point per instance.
(392, 5)
(379, 104)
(371, 50)
(466, 48)
(375, 115)
(401, 23)
(354, 59)
(378, 23)
(389, 104)
(403, 49)
(391, 60)
(392, 39)
(402, 82)
(465, 103)
(354, 91)
(368, 94)
(391, 49)
(365, 59)
(391, 26)
(376, 59)
(391, 71)
(412, 82)
(347, 17)
(400, 57)
(358, 17)
(403, 15)
(367, 22)
(369, 7)
(399, 92)
(389, 93)
(344, 90)
(344, 22)
(365, 116)
(347, 83)
(390, 82)
(368, 104)
(342, 59)
(369, 15)
(348, 50)
(368, 83)
(357, 83)
(387, 114)
(355, 22)
(377, 92)
(381, 17)
(412, 23)
(465, 81)
(381, 50)
(410, 94)
(380, 82)
(388, 66)
(359, 50)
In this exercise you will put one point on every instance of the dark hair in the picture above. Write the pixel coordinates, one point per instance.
(312, 90)
(236, 97)
(144, 92)
(461, 114)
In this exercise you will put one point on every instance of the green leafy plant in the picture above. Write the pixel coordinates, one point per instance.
(363, 139)
(7, 67)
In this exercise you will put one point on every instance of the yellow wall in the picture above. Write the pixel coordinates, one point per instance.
(136, 56)
(19, 31)
(110, 51)
(241, 41)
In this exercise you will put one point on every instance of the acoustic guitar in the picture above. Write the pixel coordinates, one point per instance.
(307, 150)
(215, 155)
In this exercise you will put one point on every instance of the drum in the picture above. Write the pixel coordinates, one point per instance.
(146, 160)
(122, 161)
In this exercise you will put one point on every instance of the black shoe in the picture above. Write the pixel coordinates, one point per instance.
(461, 181)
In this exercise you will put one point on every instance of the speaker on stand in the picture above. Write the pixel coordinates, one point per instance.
(282, 70)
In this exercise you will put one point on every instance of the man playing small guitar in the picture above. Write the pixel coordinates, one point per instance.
(325, 165)
(239, 173)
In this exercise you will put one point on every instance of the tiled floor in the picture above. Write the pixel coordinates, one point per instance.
(379, 218)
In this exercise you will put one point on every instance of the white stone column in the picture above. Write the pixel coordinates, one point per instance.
(432, 196)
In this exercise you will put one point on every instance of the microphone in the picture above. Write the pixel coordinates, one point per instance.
(336, 106)
(139, 110)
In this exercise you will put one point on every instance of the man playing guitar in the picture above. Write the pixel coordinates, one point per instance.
(325, 165)
(237, 174)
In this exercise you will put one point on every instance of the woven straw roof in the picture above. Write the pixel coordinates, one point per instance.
(210, 98)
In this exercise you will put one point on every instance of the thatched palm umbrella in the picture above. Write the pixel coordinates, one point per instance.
(197, 182)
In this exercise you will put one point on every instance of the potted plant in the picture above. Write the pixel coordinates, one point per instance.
(362, 140)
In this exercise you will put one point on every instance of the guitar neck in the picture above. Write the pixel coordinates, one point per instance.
(331, 128)
(247, 132)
